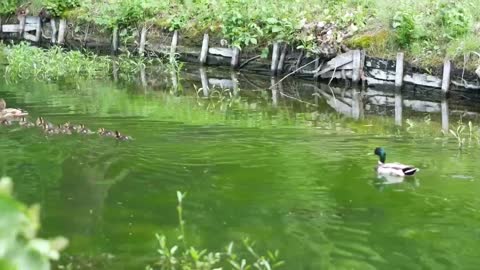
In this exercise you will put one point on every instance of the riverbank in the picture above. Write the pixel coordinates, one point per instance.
(381, 28)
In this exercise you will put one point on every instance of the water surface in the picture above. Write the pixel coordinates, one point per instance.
(293, 174)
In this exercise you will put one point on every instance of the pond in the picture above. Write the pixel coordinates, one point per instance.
(291, 169)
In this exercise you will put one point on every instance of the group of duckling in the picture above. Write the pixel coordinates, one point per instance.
(9, 115)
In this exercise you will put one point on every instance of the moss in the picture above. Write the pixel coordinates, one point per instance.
(369, 40)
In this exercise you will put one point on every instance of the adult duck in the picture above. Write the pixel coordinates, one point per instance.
(10, 113)
(393, 169)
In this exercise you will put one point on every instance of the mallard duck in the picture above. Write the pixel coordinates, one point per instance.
(106, 133)
(10, 113)
(121, 137)
(394, 169)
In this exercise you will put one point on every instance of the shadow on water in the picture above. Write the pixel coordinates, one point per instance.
(289, 167)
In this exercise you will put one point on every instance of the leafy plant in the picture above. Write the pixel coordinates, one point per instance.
(19, 246)
(181, 256)
(8, 7)
(59, 7)
(404, 25)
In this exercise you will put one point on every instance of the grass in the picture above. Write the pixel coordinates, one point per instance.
(426, 30)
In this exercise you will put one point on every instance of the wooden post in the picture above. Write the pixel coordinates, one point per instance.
(143, 41)
(1, 27)
(283, 55)
(299, 60)
(204, 52)
(22, 20)
(173, 46)
(235, 58)
(115, 40)
(115, 71)
(53, 25)
(38, 30)
(62, 27)
(357, 60)
(447, 68)
(204, 79)
(275, 56)
(174, 77)
(399, 71)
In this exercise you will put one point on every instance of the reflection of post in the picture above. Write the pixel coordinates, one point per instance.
(204, 79)
(173, 76)
(234, 78)
(398, 107)
(357, 104)
(143, 76)
(274, 88)
(444, 106)
(115, 71)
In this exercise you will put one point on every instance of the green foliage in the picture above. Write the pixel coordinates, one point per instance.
(20, 249)
(8, 7)
(59, 7)
(181, 256)
(404, 25)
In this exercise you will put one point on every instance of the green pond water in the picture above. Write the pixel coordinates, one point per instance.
(288, 174)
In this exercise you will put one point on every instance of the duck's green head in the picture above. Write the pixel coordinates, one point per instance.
(380, 152)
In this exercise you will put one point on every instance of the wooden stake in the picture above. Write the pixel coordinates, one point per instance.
(204, 52)
(399, 71)
(62, 27)
(235, 58)
(173, 46)
(22, 20)
(143, 41)
(115, 40)
(38, 31)
(1, 27)
(356, 66)
(275, 55)
(283, 55)
(447, 68)
(53, 25)
(143, 76)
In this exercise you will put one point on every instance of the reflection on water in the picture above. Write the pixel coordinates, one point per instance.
(251, 165)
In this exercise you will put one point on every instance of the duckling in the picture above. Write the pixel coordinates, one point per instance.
(49, 130)
(5, 122)
(393, 169)
(25, 123)
(121, 137)
(40, 122)
(106, 133)
(84, 130)
(63, 130)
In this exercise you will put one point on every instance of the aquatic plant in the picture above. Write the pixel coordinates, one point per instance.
(183, 256)
(27, 62)
(19, 246)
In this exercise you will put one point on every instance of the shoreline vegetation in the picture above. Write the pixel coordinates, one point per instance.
(427, 31)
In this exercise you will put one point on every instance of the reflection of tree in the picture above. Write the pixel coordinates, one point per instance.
(85, 188)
